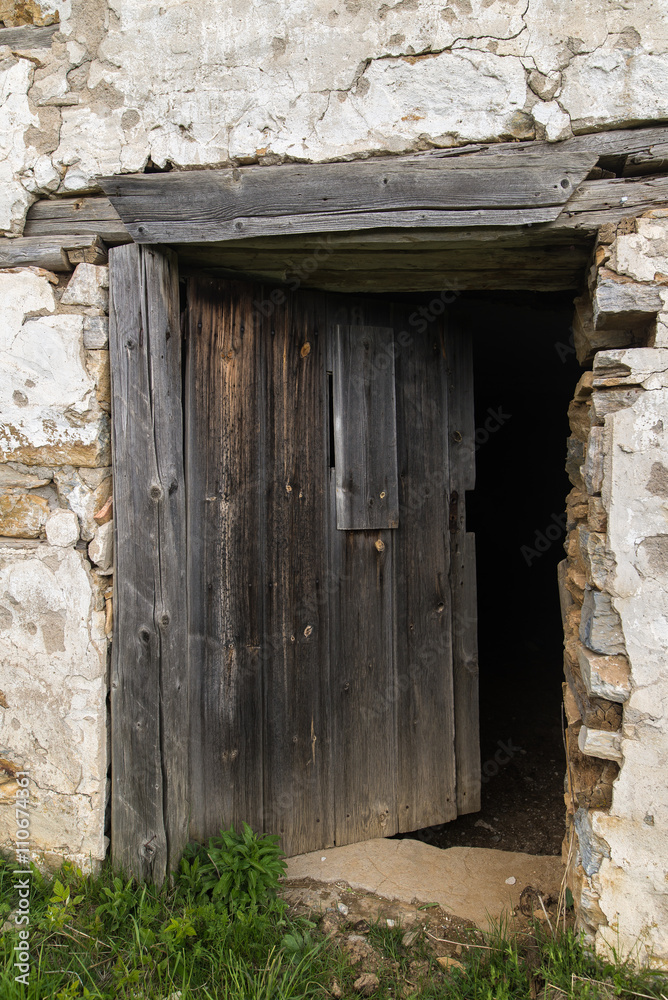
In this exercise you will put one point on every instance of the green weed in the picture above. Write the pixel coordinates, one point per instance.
(221, 932)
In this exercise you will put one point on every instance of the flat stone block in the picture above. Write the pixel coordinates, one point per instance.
(600, 625)
(623, 304)
(605, 676)
(599, 743)
(22, 515)
(95, 333)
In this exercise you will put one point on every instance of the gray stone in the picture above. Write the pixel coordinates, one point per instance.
(593, 467)
(624, 304)
(600, 625)
(95, 332)
(575, 454)
(100, 550)
(88, 286)
(12, 479)
(592, 848)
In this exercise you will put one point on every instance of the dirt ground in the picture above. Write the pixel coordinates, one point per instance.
(522, 796)
(350, 917)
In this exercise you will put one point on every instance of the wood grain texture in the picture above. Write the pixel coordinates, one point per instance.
(462, 574)
(364, 692)
(298, 778)
(423, 630)
(258, 523)
(225, 428)
(398, 192)
(28, 36)
(58, 253)
(148, 680)
(86, 215)
(365, 430)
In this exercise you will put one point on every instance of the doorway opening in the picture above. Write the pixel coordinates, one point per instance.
(525, 371)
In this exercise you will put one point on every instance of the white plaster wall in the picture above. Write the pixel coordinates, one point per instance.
(209, 82)
(54, 600)
(53, 653)
(633, 881)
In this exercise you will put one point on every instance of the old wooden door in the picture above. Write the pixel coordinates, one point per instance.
(331, 625)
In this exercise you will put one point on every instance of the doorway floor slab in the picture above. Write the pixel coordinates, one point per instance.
(471, 883)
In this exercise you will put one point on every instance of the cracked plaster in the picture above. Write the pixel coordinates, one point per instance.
(54, 666)
(197, 85)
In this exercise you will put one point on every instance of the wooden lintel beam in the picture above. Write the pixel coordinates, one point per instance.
(404, 192)
(53, 253)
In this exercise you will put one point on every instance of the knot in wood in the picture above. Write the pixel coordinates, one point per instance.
(155, 492)
(144, 634)
(380, 545)
(165, 619)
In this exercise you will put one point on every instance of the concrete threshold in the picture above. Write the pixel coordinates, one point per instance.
(472, 883)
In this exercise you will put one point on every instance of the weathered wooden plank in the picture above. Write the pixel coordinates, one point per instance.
(300, 265)
(28, 36)
(363, 684)
(298, 780)
(365, 433)
(364, 691)
(57, 254)
(410, 281)
(183, 231)
(426, 787)
(593, 203)
(49, 254)
(462, 573)
(532, 179)
(148, 681)
(225, 430)
(85, 215)
(652, 159)
(610, 200)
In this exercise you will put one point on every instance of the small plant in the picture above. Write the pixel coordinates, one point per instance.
(298, 943)
(61, 905)
(120, 902)
(236, 871)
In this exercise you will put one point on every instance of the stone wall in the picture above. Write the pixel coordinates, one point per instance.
(613, 587)
(212, 82)
(55, 557)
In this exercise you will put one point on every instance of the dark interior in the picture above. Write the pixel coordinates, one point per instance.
(525, 371)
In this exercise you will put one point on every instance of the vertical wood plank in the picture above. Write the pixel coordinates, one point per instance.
(423, 634)
(462, 577)
(365, 432)
(364, 695)
(298, 797)
(226, 543)
(148, 678)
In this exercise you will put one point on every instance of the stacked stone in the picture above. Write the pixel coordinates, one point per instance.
(55, 555)
(612, 586)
